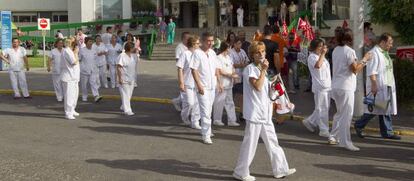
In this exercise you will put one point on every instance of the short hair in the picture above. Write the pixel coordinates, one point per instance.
(384, 37)
(315, 43)
(267, 31)
(223, 47)
(192, 41)
(344, 37)
(15, 38)
(255, 47)
(58, 40)
(97, 36)
(185, 33)
(79, 29)
(88, 39)
(128, 46)
(206, 35)
(238, 39)
(108, 28)
(119, 31)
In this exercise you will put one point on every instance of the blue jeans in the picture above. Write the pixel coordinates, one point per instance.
(293, 65)
(385, 123)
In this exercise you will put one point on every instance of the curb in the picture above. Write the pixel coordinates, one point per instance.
(168, 101)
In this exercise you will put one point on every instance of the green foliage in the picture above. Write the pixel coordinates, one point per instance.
(35, 51)
(400, 13)
(404, 73)
(143, 5)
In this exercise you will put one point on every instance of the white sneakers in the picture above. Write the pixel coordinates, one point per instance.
(246, 178)
(70, 117)
(289, 172)
(129, 113)
(332, 141)
(324, 134)
(351, 148)
(207, 141)
(75, 113)
(98, 98)
(218, 123)
(176, 103)
(196, 126)
(233, 124)
(308, 125)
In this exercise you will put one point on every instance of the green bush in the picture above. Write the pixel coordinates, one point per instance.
(404, 79)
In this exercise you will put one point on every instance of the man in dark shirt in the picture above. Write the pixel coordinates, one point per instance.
(245, 44)
(272, 52)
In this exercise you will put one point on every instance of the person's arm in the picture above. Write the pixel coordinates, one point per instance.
(374, 86)
(219, 84)
(197, 80)
(258, 83)
(26, 62)
(3, 58)
(356, 67)
(119, 73)
(49, 63)
(181, 79)
(319, 63)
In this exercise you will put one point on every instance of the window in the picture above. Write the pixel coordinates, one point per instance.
(55, 18)
(15, 18)
(63, 18)
(34, 18)
(25, 19)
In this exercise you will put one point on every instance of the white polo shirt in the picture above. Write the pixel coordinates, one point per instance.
(321, 78)
(257, 107)
(56, 57)
(16, 58)
(226, 66)
(206, 64)
(69, 70)
(238, 58)
(343, 78)
(101, 48)
(113, 53)
(179, 50)
(87, 61)
(184, 63)
(128, 64)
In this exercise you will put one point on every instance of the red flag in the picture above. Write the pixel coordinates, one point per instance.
(301, 24)
(284, 29)
(345, 24)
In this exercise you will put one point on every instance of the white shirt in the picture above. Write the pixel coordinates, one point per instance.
(87, 61)
(240, 12)
(184, 63)
(81, 40)
(69, 70)
(223, 11)
(16, 58)
(206, 64)
(106, 38)
(179, 50)
(56, 57)
(101, 48)
(226, 66)
(238, 58)
(343, 78)
(113, 53)
(257, 107)
(60, 35)
(321, 78)
(129, 66)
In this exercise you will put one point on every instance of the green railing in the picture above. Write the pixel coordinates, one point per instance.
(302, 14)
(150, 46)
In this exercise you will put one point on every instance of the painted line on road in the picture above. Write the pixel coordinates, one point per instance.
(168, 101)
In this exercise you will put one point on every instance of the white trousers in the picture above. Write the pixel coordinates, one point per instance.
(240, 21)
(18, 79)
(222, 101)
(126, 93)
(320, 116)
(206, 105)
(112, 75)
(344, 101)
(190, 106)
(248, 149)
(92, 79)
(57, 84)
(71, 94)
(102, 80)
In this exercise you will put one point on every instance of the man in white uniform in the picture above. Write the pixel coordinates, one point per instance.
(54, 65)
(114, 50)
(178, 51)
(106, 37)
(101, 52)
(89, 71)
(381, 83)
(17, 59)
(240, 16)
(205, 70)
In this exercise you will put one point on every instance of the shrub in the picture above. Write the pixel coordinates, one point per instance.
(404, 79)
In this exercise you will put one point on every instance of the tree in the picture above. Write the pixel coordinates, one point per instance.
(400, 13)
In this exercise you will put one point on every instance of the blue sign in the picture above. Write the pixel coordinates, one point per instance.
(6, 32)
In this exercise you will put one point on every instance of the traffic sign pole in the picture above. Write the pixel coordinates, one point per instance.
(44, 47)
(43, 24)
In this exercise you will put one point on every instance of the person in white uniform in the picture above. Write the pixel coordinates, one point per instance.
(205, 70)
(80, 38)
(107, 36)
(17, 59)
(89, 71)
(70, 76)
(240, 16)
(114, 50)
(344, 70)
(190, 107)
(126, 71)
(181, 47)
(53, 65)
(381, 83)
(257, 111)
(101, 52)
(224, 100)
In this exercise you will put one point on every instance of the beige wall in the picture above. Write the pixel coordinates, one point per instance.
(34, 5)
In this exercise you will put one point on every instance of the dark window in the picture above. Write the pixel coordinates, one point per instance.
(55, 18)
(45, 15)
(15, 18)
(63, 18)
(34, 18)
(24, 19)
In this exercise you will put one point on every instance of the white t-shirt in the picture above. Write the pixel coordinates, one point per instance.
(223, 11)
(321, 78)
(240, 12)
(238, 58)
(129, 65)
(69, 70)
(206, 64)
(257, 107)
(101, 48)
(343, 78)
(226, 66)
(16, 58)
(56, 57)
(81, 40)
(184, 63)
(179, 50)
(113, 53)
(106, 38)
(87, 61)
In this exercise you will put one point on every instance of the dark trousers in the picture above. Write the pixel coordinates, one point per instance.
(385, 123)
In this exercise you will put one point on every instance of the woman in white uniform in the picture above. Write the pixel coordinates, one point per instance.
(114, 50)
(126, 70)
(257, 111)
(344, 70)
(54, 66)
(190, 106)
(101, 52)
(321, 86)
(89, 71)
(224, 99)
(70, 74)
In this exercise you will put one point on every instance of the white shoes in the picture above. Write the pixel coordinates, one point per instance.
(129, 113)
(308, 126)
(233, 124)
(246, 178)
(186, 122)
(98, 98)
(176, 104)
(75, 113)
(351, 148)
(289, 172)
(70, 117)
(332, 141)
(196, 126)
(207, 141)
(218, 123)
(324, 134)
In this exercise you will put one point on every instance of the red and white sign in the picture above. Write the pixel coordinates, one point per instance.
(406, 52)
(43, 24)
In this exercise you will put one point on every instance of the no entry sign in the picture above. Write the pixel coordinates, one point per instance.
(43, 24)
